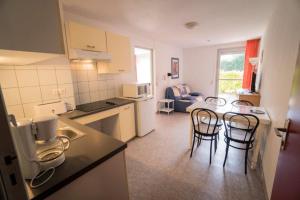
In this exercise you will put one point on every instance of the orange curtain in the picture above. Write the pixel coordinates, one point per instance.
(251, 51)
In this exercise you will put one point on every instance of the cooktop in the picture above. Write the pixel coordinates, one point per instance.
(99, 105)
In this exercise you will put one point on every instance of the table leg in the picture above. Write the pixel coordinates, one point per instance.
(191, 132)
(257, 143)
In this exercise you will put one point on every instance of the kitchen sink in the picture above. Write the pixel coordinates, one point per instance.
(70, 133)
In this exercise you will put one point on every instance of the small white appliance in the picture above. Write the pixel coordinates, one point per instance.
(136, 90)
(38, 147)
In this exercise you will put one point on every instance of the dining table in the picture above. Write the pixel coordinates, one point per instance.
(260, 112)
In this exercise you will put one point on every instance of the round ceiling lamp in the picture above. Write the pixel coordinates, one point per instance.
(191, 24)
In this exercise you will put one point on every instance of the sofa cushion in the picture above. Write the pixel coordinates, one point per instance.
(181, 89)
(195, 93)
(187, 89)
(187, 97)
(176, 92)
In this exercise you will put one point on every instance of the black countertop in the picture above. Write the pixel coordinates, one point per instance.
(102, 106)
(84, 153)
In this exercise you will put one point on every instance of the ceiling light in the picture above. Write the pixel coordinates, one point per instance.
(191, 25)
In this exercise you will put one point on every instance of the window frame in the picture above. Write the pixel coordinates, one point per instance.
(233, 50)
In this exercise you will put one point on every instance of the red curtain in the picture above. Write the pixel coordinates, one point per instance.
(251, 51)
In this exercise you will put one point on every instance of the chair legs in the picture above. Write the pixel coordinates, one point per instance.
(216, 143)
(210, 150)
(226, 154)
(199, 139)
(193, 146)
(246, 159)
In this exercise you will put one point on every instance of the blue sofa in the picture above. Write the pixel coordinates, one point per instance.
(182, 96)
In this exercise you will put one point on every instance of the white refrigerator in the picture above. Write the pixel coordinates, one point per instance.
(145, 115)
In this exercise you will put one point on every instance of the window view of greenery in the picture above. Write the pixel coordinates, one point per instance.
(231, 73)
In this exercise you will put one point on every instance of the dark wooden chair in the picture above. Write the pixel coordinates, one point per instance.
(239, 132)
(204, 131)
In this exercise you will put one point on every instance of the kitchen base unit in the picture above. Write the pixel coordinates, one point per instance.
(118, 122)
(105, 181)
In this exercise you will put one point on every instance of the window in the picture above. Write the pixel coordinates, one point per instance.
(144, 68)
(231, 70)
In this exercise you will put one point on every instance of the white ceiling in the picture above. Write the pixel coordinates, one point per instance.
(220, 21)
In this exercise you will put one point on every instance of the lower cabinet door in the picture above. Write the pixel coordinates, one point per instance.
(127, 122)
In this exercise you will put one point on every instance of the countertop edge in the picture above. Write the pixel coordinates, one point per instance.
(78, 174)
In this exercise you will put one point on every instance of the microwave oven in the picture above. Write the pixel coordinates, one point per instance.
(136, 90)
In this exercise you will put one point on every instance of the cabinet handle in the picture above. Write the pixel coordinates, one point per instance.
(126, 108)
(90, 46)
(121, 70)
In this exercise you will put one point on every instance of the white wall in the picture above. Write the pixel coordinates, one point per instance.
(280, 45)
(200, 67)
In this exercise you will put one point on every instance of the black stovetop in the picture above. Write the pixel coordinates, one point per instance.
(100, 105)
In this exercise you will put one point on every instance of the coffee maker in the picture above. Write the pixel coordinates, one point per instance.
(38, 147)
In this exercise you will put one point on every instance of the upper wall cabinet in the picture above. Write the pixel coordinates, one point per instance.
(86, 37)
(120, 49)
(30, 26)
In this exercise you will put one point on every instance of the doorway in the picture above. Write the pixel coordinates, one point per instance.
(230, 71)
(144, 66)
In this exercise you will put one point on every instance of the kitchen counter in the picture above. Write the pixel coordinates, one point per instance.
(84, 154)
(102, 106)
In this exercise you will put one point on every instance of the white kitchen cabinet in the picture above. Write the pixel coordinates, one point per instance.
(117, 122)
(85, 37)
(127, 122)
(119, 48)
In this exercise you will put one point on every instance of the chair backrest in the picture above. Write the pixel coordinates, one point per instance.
(219, 101)
(242, 103)
(247, 123)
(207, 127)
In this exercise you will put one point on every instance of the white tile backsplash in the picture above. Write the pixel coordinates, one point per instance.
(92, 75)
(82, 75)
(11, 96)
(93, 86)
(8, 78)
(64, 76)
(84, 98)
(48, 92)
(31, 94)
(26, 86)
(47, 77)
(16, 110)
(69, 90)
(90, 86)
(27, 78)
(83, 87)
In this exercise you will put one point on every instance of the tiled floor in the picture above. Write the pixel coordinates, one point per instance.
(159, 167)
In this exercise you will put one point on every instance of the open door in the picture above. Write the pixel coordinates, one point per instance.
(11, 181)
(287, 178)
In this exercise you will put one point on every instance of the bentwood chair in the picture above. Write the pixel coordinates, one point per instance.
(239, 132)
(218, 101)
(204, 131)
(241, 103)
